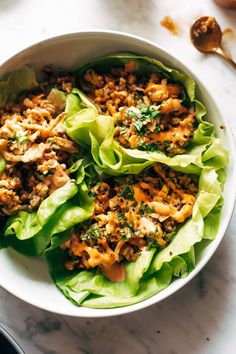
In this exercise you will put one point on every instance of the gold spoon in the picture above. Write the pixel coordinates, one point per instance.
(206, 36)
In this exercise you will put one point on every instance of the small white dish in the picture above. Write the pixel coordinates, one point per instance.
(28, 278)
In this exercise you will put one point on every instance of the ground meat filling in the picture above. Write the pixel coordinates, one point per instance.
(131, 213)
(36, 149)
(148, 110)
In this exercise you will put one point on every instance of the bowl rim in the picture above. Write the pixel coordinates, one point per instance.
(4, 332)
(231, 202)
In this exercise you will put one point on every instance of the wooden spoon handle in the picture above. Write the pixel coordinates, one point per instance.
(225, 56)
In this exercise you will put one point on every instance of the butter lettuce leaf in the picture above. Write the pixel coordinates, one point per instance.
(96, 132)
(30, 232)
(93, 281)
(17, 83)
(192, 232)
(154, 269)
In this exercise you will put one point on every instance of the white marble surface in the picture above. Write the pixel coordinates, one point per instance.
(201, 318)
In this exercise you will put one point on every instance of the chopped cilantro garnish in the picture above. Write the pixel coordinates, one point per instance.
(137, 96)
(123, 235)
(149, 146)
(144, 108)
(141, 115)
(144, 112)
(130, 226)
(158, 128)
(41, 176)
(21, 139)
(126, 235)
(126, 191)
(138, 125)
(152, 243)
(170, 236)
(93, 234)
(167, 144)
(148, 112)
(145, 210)
(130, 113)
(121, 216)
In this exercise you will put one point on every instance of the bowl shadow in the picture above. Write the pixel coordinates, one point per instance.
(34, 268)
(130, 14)
(6, 5)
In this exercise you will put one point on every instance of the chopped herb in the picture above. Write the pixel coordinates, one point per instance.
(137, 96)
(167, 144)
(145, 210)
(122, 216)
(130, 226)
(158, 128)
(148, 112)
(126, 191)
(149, 146)
(123, 235)
(11, 141)
(123, 219)
(21, 139)
(152, 243)
(93, 234)
(138, 125)
(42, 176)
(170, 236)
(144, 108)
(131, 113)
(45, 174)
(144, 114)
(126, 235)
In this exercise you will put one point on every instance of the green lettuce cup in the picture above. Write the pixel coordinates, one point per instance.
(96, 131)
(154, 269)
(30, 232)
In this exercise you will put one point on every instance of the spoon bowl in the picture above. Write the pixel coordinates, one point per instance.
(206, 36)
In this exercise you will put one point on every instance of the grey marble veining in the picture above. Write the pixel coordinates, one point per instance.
(201, 317)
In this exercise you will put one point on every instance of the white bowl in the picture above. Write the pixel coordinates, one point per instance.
(27, 278)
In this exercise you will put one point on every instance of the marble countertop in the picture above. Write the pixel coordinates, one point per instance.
(201, 317)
